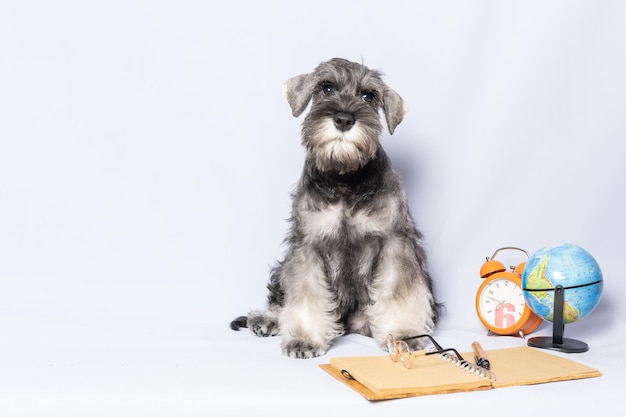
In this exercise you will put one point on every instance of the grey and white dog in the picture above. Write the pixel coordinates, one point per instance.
(353, 262)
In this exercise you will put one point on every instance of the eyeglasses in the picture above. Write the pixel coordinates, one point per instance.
(400, 350)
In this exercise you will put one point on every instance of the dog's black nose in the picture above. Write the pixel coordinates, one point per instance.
(344, 121)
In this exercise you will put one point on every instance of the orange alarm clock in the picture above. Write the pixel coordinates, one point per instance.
(500, 301)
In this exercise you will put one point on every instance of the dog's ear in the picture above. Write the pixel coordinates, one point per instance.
(299, 91)
(394, 108)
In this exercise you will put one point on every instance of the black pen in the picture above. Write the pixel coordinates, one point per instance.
(480, 356)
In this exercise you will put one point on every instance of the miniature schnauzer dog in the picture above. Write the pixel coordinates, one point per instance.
(353, 261)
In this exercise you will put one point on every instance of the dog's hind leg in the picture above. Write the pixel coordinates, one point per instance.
(263, 323)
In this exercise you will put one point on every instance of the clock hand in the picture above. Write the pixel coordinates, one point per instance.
(500, 303)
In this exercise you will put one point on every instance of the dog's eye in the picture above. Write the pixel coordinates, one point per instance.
(367, 96)
(328, 89)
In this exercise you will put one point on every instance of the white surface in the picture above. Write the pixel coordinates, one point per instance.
(146, 159)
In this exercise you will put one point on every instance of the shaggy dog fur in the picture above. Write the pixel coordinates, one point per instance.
(354, 261)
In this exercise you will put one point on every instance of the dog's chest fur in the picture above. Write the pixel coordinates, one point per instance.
(345, 219)
(346, 207)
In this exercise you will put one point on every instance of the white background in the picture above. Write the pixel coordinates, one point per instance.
(147, 154)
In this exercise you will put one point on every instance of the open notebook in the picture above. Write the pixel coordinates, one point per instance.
(379, 378)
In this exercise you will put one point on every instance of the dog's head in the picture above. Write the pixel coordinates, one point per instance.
(342, 128)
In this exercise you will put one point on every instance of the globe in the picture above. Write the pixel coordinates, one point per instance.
(570, 275)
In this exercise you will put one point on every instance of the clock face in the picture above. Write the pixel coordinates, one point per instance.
(501, 303)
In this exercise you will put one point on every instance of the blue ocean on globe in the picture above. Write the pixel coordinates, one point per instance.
(567, 265)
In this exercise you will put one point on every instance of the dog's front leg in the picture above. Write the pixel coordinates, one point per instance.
(309, 320)
(402, 302)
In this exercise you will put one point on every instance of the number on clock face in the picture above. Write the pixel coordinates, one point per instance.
(502, 303)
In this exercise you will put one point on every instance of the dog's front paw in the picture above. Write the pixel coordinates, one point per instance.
(262, 325)
(303, 350)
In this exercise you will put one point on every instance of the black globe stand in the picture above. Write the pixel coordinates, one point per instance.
(557, 341)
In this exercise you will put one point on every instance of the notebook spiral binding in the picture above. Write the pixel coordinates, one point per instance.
(472, 368)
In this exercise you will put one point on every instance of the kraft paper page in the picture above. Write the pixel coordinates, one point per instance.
(378, 378)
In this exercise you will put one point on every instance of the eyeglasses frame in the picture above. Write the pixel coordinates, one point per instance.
(394, 344)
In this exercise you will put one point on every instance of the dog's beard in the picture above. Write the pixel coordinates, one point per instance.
(341, 151)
